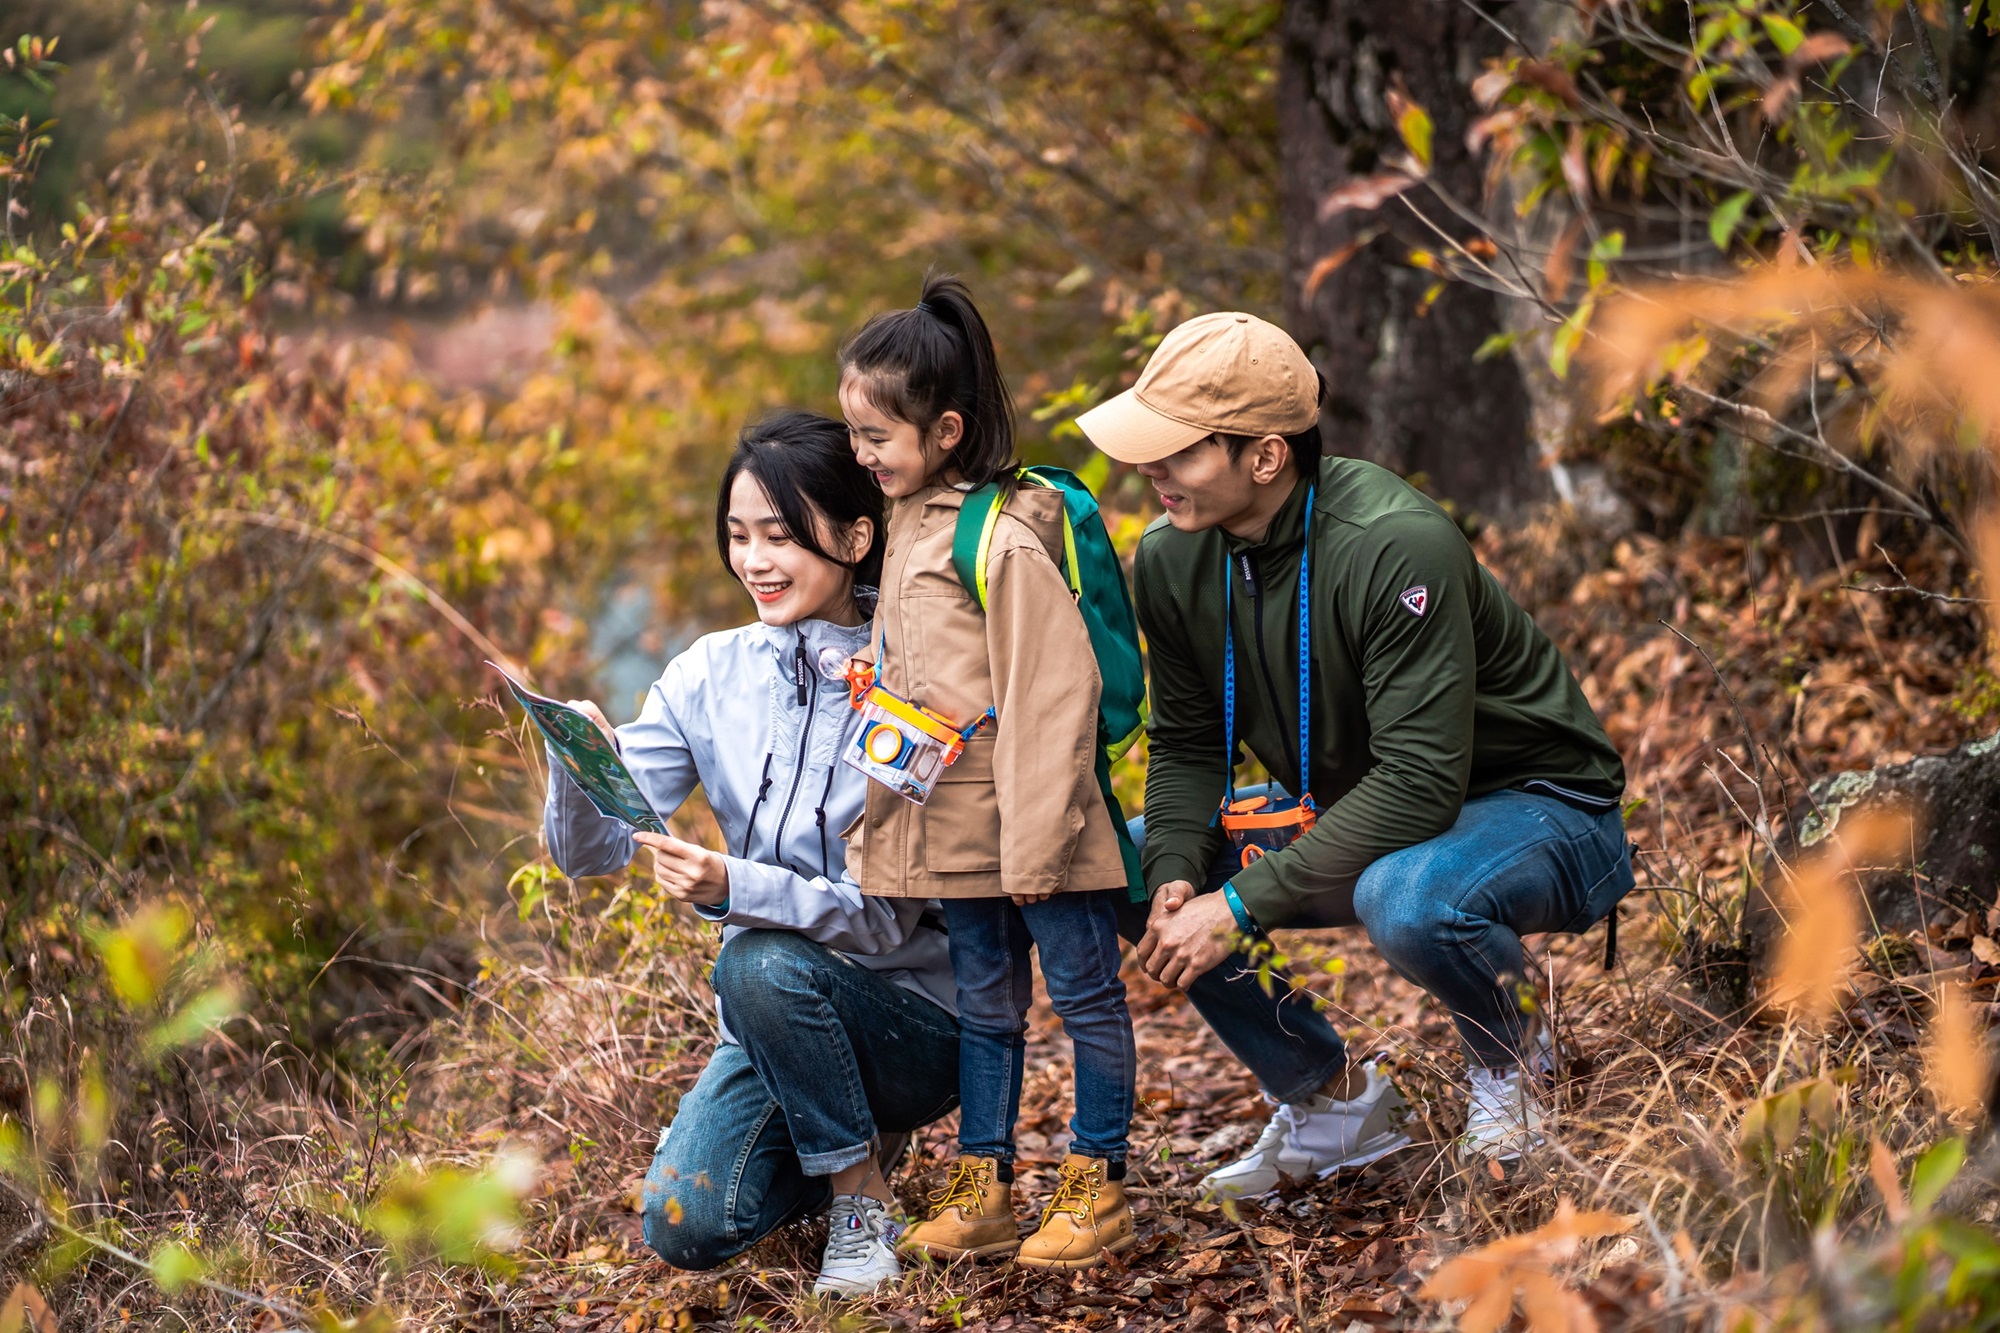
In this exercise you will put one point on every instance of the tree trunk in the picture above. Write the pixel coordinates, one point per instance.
(1406, 390)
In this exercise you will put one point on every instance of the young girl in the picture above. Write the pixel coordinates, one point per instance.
(1015, 840)
(836, 1008)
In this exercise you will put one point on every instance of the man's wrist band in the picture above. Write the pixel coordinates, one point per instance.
(1244, 921)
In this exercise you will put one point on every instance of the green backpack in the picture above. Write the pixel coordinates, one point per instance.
(1097, 581)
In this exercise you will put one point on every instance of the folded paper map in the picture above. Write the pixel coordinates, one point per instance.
(584, 752)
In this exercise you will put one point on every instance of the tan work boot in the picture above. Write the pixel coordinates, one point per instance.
(972, 1215)
(1087, 1218)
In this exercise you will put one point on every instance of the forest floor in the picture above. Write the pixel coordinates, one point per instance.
(1728, 674)
(1709, 659)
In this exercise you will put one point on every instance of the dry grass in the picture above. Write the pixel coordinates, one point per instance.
(1725, 1140)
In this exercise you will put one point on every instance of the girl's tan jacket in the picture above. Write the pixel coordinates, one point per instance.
(1020, 812)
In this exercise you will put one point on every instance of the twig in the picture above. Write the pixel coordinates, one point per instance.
(387, 566)
(1909, 587)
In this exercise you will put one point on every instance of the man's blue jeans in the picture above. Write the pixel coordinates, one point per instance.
(1448, 914)
(1076, 935)
(829, 1055)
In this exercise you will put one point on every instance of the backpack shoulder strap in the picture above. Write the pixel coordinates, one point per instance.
(973, 537)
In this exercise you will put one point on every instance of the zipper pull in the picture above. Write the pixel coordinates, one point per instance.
(1249, 573)
(799, 669)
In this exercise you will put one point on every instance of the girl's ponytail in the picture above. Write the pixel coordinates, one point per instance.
(938, 357)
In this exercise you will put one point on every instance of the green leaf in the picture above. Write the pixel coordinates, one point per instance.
(1936, 1169)
(1095, 471)
(139, 954)
(457, 1216)
(205, 1012)
(1785, 34)
(1723, 222)
(1563, 346)
(1495, 345)
(1977, 1251)
(175, 1266)
(1414, 124)
(1609, 246)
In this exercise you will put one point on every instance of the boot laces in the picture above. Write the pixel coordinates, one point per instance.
(1076, 1192)
(965, 1187)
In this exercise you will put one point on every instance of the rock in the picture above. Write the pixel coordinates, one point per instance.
(1954, 800)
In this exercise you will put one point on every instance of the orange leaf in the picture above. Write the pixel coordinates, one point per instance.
(1779, 96)
(24, 1311)
(1562, 260)
(1325, 266)
(1817, 49)
(1490, 1310)
(1364, 192)
(1882, 1170)
(1552, 79)
(1462, 1277)
(1956, 1054)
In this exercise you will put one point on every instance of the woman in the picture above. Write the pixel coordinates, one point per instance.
(836, 1008)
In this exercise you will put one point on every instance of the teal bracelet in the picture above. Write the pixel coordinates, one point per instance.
(1244, 921)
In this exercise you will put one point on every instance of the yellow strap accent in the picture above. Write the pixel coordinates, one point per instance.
(1069, 557)
(1069, 539)
(986, 547)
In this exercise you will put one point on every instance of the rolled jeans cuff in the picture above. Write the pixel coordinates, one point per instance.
(826, 1163)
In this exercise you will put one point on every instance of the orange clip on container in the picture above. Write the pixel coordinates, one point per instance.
(1257, 825)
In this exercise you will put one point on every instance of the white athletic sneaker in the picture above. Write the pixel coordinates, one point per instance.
(1505, 1118)
(860, 1248)
(1316, 1138)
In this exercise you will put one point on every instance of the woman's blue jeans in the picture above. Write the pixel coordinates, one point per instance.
(1447, 914)
(827, 1056)
(1076, 935)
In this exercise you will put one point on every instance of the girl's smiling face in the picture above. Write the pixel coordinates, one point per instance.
(899, 456)
(788, 582)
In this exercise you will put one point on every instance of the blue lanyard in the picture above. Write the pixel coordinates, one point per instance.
(1305, 665)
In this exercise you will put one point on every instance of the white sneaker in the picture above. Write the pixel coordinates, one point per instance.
(860, 1253)
(1505, 1119)
(1316, 1138)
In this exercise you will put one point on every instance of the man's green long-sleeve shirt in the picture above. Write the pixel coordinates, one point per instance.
(1429, 685)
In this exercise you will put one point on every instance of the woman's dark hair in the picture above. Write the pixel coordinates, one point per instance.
(803, 462)
(1306, 446)
(934, 358)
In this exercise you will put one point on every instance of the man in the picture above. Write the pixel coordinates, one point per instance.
(1465, 793)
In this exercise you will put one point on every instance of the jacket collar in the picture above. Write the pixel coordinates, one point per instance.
(818, 635)
(1285, 535)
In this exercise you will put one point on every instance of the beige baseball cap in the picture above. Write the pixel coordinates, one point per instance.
(1227, 372)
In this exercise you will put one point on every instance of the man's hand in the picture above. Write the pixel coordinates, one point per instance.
(686, 871)
(595, 714)
(1029, 899)
(1169, 897)
(1185, 941)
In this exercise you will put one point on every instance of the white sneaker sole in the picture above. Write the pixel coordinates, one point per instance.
(847, 1289)
(1367, 1155)
(1360, 1159)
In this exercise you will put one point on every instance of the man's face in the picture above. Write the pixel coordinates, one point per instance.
(1200, 488)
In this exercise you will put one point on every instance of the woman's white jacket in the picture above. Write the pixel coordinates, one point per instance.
(759, 718)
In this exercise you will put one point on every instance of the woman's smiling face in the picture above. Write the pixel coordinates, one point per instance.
(788, 582)
(895, 451)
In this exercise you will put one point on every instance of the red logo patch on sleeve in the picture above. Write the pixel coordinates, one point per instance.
(1415, 599)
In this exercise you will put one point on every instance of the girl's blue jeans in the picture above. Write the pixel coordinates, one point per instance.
(1076, 935)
